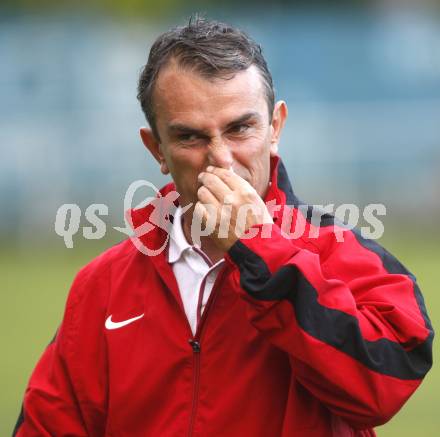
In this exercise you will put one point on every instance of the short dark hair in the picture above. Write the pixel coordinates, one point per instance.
(210, 48)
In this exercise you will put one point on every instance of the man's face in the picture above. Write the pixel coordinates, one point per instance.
(218, 122)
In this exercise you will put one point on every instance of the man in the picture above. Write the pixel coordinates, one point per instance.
(250, 332)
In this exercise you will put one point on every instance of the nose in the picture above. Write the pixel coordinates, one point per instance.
(219, 154)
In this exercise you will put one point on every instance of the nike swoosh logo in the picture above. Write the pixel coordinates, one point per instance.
(109, 324)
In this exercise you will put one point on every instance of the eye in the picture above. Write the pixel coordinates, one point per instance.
(240, 128)
(188, 138)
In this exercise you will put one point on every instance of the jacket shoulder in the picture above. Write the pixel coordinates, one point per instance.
(93, 279)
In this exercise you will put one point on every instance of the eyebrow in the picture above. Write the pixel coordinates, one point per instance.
(183, 128)
(243, 118)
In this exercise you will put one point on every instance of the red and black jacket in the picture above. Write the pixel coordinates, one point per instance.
(300, 337)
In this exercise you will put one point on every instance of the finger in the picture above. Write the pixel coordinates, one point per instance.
(199, 224)
(229, 178)
(200, 213)
(215, 185)
(206, 196)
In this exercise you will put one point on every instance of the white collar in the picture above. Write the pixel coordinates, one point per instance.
(178, 242)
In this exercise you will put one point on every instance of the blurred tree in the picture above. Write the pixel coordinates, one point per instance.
(154, 8)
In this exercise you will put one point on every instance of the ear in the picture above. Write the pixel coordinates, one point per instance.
(278, 119)
(154, 147)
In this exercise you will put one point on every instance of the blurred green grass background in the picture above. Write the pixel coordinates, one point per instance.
(35, 282)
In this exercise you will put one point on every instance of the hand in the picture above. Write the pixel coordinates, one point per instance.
(231, 203)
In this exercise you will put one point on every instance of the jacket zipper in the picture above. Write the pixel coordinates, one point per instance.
(196, 378)
(196, 347)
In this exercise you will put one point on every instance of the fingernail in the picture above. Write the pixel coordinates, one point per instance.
(209, 168)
